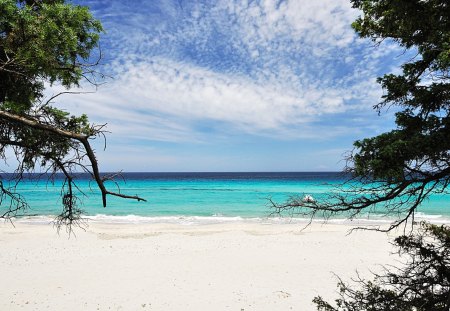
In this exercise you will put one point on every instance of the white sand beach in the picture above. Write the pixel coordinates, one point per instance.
(235, 266)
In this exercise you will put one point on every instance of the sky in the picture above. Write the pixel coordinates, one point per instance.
(233, 85)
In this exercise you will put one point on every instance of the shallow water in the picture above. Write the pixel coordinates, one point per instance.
(195, 196)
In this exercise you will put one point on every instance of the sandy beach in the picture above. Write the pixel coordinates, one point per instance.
(234, 266)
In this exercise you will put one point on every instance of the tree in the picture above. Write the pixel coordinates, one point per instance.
(47, 41)
(398, 170)
(422, 284)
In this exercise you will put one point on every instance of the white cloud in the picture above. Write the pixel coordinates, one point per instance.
(285, 65)
(322, 23)
(164, 100)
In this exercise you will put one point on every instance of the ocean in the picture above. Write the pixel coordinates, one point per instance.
(201, 197)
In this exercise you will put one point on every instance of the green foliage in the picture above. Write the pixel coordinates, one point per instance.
(408, 163)
(396, 171)
(390, 155)
(422, 140)
(422, 284)
(44, 42)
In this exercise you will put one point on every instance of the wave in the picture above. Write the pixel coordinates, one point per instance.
(221, 219)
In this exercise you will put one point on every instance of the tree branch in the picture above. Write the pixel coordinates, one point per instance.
(81, 138)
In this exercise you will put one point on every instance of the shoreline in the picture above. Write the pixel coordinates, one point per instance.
(163, 266)
(188, 220)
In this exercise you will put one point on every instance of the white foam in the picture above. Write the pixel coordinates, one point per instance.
(220, 219)
(427, 216)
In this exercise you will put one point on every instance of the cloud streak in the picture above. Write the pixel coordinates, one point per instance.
(207, 72)
(161, 97)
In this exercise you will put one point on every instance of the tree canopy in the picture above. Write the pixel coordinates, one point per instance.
(45, 42)
(398, 170)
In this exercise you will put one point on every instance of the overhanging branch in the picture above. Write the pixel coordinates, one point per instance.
(81, 138)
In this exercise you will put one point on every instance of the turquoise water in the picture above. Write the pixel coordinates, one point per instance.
(241, 195)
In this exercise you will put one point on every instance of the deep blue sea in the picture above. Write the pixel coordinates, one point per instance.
(209, 196)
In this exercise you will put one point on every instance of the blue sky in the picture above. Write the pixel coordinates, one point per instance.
(233, 85)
